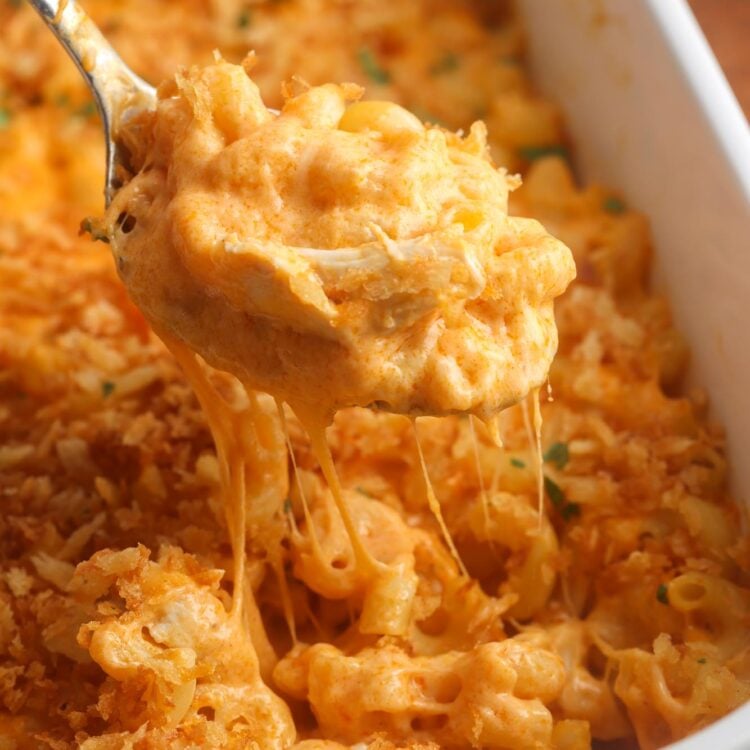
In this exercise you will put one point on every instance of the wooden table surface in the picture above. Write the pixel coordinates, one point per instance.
(726, 24)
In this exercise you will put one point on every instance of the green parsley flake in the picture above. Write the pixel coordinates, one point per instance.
(85, 110)
(363, 491)
(614, 205)
(532, 153)
(518, 463)
(244, 19)
(557, 454)
(661, 594)
(557, 498)
(702, 660)
(288, 505)
(571, 510)
(371, 68)
(4, 117)
(555, 494)
(446, 64)
(88, 227)
(108, 388)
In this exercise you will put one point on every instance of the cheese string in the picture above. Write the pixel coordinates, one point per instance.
(537, 413)
(434, 504)
(316, 432)
(478, 464)
(227, 428)
(231, 462)
(274, 551)
(534, 434)
(298, 480)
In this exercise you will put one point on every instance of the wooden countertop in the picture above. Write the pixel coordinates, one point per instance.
(726, 24)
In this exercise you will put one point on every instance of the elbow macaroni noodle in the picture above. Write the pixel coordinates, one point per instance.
(136, 613)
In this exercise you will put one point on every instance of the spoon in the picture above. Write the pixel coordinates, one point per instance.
(119, 93)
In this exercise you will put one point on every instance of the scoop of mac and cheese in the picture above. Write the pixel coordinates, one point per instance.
(337, 253)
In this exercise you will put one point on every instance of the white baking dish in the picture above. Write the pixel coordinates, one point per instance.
(651, 113)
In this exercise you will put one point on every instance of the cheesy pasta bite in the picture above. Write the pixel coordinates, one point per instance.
(339, 253)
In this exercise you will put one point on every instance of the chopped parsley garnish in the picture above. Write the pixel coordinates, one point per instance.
(702, 660)
(571, 510)
(371, 68)
(661, 594)
(4, 117)
(244, 19)
(532, 153)
(518, 463)
(614, 205)
(555, 494)
(96, 235)
(14, 3)
(557, 454)
(446, 64)
(108, 388)
(62, 100)
(363, 491)
(557, 498)
(288, 505)
(85, 110)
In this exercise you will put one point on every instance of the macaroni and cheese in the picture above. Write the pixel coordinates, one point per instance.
(618, 615)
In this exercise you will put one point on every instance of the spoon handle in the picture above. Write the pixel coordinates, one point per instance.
(116, 88)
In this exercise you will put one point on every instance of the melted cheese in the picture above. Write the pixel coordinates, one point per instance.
(226, 427)
(434, 504)
(316, 431)
(533, 425)
(478, 464)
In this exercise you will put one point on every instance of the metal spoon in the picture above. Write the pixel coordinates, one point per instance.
(119, 93)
